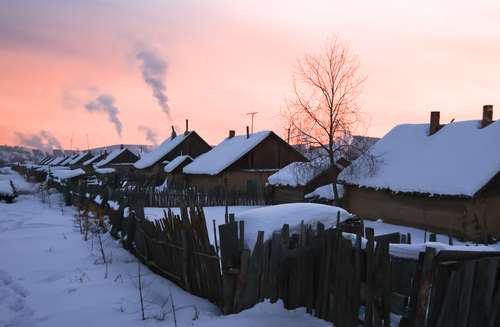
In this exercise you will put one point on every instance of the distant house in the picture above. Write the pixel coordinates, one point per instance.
(244, 161)
(438, 178)
(121, 160)
(188, 144)
(58, 153)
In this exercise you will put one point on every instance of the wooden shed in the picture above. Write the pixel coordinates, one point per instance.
(439, 178)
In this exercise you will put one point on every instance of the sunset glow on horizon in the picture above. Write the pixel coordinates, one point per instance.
(124, 72)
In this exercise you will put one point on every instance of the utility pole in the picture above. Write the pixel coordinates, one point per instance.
(71, 144)
(253, 114)
(88, 148)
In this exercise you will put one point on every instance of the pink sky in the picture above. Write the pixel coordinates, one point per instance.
(224, 59)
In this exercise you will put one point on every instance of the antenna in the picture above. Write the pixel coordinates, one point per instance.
(253, 114)
(88, 148)
(71, 144)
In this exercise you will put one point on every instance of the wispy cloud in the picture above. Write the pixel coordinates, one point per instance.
(154, 72)
(43, 141)
(150, 135)
(105, 104)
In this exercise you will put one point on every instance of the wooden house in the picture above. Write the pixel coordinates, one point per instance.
(121, 160)
(439, 178)
(241, 162)
(153, 164)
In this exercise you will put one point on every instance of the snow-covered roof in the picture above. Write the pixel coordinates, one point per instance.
(160, 151)
(175, 163)
(92, 160)
(457, 160)
(57, 160)
(298, 173)
(78, 158)
(65, 174)
(224, 154)
(110, 157)
(68, 160)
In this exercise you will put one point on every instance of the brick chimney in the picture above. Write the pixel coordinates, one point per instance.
(487, 115)
(187, 129)
(174, 134)
(435, 126)
(248, 132)
(121, 147)
(231, 134)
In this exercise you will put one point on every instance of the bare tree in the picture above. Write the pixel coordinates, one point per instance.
(322, 108)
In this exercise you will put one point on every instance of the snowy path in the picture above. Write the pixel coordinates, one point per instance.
(48, 278)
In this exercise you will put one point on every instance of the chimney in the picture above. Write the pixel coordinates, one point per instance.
(174, 134)
(248, 133)
(487, 115)
(231, 134)
(435, 122)
(187, 129)
(121, 147)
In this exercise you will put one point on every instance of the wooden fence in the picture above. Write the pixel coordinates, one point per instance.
(177, 248)
(327, 271)
(339, 281)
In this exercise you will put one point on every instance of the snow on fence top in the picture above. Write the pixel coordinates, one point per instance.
(163, 149)
(457, 160)
(271, 219)
(224, 154)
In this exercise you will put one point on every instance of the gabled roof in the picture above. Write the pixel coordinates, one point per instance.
(65, 174)
(162, 150)
(110, 157)
(92, 160)
(176, 162)
(298, 173)
(459, 160)
(78, 158)
(223, 155)
(68, 160)
(57, 161)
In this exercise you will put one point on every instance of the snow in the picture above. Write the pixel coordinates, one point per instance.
(59, 282)
(78, 158)
(105, 170)
(92, 160)
(457, 160)
(57, 161)
(224, 154)
(271, 219)
(110, 157)
(6, 188)
(295, 174)
(176, 162)
(65, 174)
(51, 277)
(160, 151)
(326, 192)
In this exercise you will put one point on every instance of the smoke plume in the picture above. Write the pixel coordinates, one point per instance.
(43, 141)
(105, 104)
(150, 135)
(154, 73)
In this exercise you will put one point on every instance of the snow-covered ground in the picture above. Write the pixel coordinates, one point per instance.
(50, 276)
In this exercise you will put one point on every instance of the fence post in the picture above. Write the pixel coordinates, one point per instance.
(229, 260)
(185, 260)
